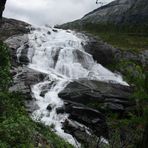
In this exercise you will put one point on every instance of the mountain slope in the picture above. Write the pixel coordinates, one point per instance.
(117, 12)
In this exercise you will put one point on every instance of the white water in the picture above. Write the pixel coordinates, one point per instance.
(61, 56)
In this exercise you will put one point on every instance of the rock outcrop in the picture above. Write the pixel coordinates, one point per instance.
(11, 27)
(105, 96)
(88, 102)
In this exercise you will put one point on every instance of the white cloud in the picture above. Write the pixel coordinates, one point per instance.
(51, 12)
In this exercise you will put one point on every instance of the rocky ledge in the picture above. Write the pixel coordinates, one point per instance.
(11, 27)
(89, 101)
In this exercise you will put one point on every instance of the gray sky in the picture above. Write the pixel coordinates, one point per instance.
(51, 12)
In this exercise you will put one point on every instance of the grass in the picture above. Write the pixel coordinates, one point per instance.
(17, 130)
(125, 41)
(132, 38)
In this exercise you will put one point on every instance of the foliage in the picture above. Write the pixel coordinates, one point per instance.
(4, 67)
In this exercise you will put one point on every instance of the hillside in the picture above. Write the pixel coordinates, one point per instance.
(119, 12)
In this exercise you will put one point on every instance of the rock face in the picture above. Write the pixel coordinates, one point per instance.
(11, 27)
(88, 102)
(107, 96)
(102, 52)
(15, 44)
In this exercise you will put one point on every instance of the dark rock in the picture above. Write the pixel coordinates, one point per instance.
(89, 117)
(24, 79)
(23, 59)
(49, 108)
(54, 30)
(46, 87)
(114, 106)
(114, 97)
(48, 32)
(14, 44)
(11, 27)
(101, 52)
(83, 135)
(60, 110)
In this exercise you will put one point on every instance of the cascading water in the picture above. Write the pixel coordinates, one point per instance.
(60, 54)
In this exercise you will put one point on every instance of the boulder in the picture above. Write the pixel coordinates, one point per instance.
(102, 52)
(81, 133)
(18, 49)
(101, 95)
(91, 118)
(24, 79)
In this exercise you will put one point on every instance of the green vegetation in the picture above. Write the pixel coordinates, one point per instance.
(131, 39)
(124, 37)
(16, 128)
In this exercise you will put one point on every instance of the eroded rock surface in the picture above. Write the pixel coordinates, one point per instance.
(11, 27)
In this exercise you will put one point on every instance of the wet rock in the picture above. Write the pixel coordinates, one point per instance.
(103, 53)
(49, 108)
(54, 30)
(101, 95)
(89, 117)
(61, 110)
(24, 79)
(49, 32)
(15, 43)
(23, 59)
(81, 133)
(46, 88)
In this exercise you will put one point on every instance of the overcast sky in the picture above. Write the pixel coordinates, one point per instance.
(40, 12)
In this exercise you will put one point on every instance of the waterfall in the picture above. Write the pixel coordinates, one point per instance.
(60, 54)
